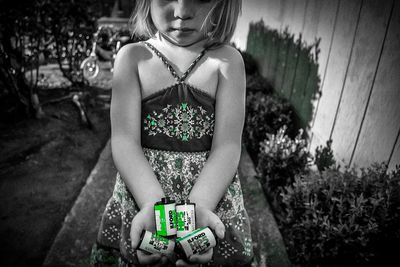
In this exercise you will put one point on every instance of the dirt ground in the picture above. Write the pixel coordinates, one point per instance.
(43, 166)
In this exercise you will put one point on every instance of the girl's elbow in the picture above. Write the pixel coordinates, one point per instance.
(121, 144)
(231, 151)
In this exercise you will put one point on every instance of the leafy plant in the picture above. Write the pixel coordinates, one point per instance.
(332, 218)
(264, 114)
(324, 158)
(280, 160)
(250, 63)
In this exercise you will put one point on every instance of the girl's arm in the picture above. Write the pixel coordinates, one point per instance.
(224, 157)
(125, 129)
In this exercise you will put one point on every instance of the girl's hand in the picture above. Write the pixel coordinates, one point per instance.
(144, 220)
(205, 217)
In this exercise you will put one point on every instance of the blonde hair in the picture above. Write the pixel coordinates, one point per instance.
(221, 21)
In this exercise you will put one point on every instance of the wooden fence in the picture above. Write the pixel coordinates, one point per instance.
(358, 69)
(289, 65)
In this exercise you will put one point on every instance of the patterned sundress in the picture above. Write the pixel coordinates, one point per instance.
(176, 135)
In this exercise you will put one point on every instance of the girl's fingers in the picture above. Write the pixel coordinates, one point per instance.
(136, 230)
(217, 225)
(202, 258)
(182, 263)
(164, 260)
(147, 259)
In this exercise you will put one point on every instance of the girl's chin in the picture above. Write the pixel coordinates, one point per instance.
(182, 38)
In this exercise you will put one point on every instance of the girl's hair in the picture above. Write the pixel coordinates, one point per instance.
(221, 21)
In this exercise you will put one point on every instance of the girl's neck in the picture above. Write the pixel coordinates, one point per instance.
(170, 46)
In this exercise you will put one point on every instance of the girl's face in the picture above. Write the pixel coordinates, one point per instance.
(181, 21)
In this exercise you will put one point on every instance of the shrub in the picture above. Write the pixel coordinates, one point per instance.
(250, 63)
(279, 161)
(265, 113)
(257, 83)
(324, 158)
(341, 219)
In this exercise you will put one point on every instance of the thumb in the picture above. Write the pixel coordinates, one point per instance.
(136, 231)
(217, 225)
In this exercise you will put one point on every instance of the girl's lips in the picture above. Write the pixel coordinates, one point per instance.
(183, 29)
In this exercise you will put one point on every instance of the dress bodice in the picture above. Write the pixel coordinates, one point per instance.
(179, 117)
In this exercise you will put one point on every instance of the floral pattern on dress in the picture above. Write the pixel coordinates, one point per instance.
(182, 121)
(180, 170)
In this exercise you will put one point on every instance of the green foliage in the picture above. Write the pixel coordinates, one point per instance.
(324, 158)
(251, 66)
(256, 83)
(337, 218)
(280, 160)
(265, 113)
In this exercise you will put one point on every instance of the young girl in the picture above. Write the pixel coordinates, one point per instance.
(177, 115)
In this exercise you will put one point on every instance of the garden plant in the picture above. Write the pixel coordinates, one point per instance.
(328, 215)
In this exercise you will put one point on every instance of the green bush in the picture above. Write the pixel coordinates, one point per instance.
(265, 113)
(334, 218)
(257, 83)
(250, 63)
(324, 158)
(279, 161)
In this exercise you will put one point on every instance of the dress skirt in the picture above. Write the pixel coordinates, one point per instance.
(177, 173)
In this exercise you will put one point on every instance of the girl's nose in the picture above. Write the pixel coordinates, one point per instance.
(184, 9)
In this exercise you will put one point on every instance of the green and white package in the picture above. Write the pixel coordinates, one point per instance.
(152, 243)
(165, 217)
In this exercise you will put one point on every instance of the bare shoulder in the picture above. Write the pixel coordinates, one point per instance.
(227, 56)
(125, 75)
(131, 54)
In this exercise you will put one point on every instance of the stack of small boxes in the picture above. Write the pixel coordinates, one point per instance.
(176, 220)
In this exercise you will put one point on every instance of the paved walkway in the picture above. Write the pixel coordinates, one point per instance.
(73, 243)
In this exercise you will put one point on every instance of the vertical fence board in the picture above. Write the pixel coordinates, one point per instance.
(301, 97)
(270, 51)
(287, 13)
(336, 71)
(319, 24)
(326, 25)
(309, 94)
(381, 124)
(264, 60)
(274, 14)
(290, 69)
(289, 23)
(252, 11)
(274, 57)
(312, 20)
(360, 76)
(395, 160)
(294, 16)
(255, 43)
(281, 66)
(300, 85)
(293, 19)
(251, 40)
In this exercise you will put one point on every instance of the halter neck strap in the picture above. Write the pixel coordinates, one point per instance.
(169, 66)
